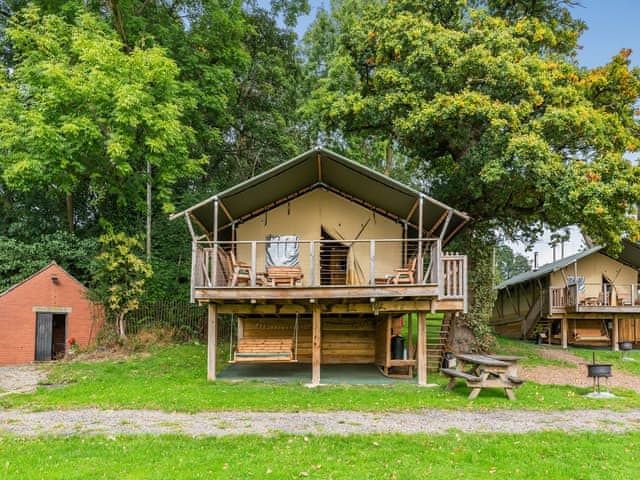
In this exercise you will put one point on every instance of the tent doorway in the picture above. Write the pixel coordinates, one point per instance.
(333, 261)
(51, 334)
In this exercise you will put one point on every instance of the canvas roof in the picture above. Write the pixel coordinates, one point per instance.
(630, 255)
(321, 168)
(547, 269)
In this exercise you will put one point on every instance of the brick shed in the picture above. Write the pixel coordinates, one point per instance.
(40, 314)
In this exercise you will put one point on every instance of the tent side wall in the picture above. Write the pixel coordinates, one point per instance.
(593, 268)
(306, 215)
(511, 308)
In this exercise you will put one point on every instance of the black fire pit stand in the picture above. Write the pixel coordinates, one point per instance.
(598, 371)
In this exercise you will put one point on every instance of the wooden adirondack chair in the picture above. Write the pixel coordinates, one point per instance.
(406, 274)
(241, 271)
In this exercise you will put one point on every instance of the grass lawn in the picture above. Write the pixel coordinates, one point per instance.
(173, 379)
(496, 456)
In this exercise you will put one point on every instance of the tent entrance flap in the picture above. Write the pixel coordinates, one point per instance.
(344, 257)
(333, 261)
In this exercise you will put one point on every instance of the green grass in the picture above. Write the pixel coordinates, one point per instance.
(174, 379)
(551, 455)
(614, 358)
(531, 351)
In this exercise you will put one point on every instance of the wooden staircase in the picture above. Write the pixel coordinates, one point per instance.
(532, 320)
(437, 337)
(542, 326)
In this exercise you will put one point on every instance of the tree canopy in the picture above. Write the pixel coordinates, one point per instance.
(491, 109)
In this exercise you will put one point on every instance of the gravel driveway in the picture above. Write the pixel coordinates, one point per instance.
(430, 421)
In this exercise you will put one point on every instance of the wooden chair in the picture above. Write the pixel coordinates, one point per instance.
(406, 274)
(241, 271)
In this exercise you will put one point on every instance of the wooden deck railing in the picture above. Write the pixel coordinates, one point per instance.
(593, 295)
(331, 263)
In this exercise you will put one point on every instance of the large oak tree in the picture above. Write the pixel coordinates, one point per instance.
(492, 112)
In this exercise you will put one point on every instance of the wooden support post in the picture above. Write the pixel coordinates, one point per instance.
(564, 327)
(410, 335)
(316, 345)
(615, 337)
(212, 334)
(422, 349)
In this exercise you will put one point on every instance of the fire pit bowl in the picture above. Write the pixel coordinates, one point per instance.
(597, 370)
(624, 346)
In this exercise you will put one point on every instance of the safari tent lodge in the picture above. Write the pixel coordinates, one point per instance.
(321, 260)
(589, 298)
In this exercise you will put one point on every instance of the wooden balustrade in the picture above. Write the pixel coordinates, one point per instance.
(337, 263)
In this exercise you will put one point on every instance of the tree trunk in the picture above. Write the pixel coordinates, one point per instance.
(389, 159)
(471, 332)
(69, 209)
(148, 211)
(120, 323)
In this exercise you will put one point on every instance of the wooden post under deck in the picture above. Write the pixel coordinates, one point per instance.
(615, 338)
(422, 349)
(316, 345)
(212, 331)
(410, 336)
(564, 330)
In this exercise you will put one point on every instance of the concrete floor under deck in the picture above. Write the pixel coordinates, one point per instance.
(347, 374)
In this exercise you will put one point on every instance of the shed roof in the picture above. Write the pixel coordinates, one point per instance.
(321, 168)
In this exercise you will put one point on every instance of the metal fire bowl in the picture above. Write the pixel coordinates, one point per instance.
(599, 370)
(625, 346)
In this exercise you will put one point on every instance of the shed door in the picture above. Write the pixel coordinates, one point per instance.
(44, 336)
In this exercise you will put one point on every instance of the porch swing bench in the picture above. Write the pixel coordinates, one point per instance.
(264, 350)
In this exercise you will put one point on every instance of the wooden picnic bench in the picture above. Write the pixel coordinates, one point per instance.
(484, 372)
(264, 350)
(280, 275)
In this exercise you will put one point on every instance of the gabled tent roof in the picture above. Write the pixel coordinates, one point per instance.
(547, 269)
(630, 256)
(321, 168)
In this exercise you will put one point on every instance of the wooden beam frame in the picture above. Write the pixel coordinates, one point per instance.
(316, 345)
(212, 338)
(422, 349)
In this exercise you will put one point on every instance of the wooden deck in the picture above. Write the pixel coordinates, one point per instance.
(440, 284)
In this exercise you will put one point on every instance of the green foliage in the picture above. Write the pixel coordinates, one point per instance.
(492, 111)
(19, 260)
(119, 276)
(508, 264)
(82, 116)
(489, 113)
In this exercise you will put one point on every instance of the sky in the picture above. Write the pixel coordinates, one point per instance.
(612, 25)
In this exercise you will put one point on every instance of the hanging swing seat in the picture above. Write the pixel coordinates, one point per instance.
(591, 333)
(263, 350)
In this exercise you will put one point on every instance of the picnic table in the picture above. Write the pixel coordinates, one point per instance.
(484, 371)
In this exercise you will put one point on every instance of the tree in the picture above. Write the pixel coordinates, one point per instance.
(119, 276)
(21, 259)
(493, 113)
(509, 264)
(80, 116)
